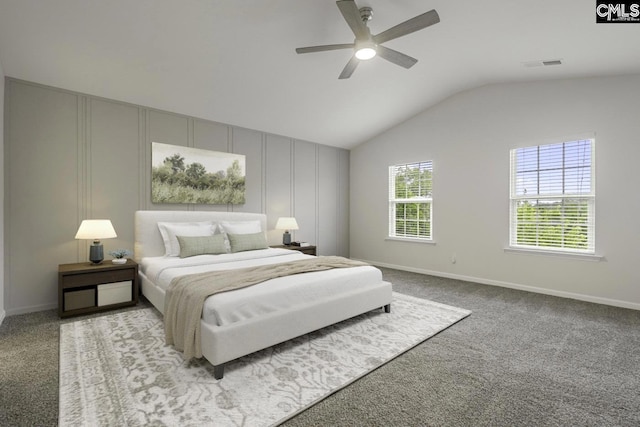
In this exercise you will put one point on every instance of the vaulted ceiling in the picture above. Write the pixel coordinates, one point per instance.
(235, 61)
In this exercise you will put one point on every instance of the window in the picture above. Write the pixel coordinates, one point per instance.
(553, 197)
(410, 201)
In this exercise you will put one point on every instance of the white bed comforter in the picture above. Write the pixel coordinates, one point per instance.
(257, 300)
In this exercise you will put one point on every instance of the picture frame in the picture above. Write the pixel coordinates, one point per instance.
(182, 174)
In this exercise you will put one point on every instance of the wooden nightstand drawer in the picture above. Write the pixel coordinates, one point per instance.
(309, 250)
(97, 278)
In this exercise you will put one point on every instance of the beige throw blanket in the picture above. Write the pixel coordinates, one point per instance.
(185, 296)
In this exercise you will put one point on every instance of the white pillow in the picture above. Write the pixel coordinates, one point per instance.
(169, 231)
(241, 227)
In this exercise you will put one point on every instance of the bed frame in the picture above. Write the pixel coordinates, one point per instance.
(221, 344)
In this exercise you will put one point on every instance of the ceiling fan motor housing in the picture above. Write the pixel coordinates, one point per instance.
(366, 13)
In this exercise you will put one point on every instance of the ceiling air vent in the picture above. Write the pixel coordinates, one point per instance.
(542, 63)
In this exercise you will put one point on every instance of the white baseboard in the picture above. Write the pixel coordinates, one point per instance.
(534, 289)
(2, 315)
(31, 309)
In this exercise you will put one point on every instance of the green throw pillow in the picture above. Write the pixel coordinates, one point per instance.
(247, 242)
(201, 245)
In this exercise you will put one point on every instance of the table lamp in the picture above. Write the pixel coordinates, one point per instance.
(96, 229)
(286, 224)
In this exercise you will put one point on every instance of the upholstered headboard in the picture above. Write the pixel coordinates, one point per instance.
(148, 241)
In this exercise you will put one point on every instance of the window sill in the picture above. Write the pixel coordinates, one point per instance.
(410, 240)
(584, 257)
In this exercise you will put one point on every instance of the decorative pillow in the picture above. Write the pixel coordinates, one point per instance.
(201, 245)
(247, 242)
(241, 227)
(169, 231)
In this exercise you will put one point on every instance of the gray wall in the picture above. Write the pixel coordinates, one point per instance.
(70, 156)
(468, 137)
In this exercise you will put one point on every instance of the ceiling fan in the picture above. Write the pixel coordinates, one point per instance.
(367, 46)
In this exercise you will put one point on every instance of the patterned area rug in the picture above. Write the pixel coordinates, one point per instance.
(116, 370)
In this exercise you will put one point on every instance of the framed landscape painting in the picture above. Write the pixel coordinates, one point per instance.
(192, 175)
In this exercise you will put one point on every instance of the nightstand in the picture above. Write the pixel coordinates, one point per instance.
(86, 288)
(309, 250)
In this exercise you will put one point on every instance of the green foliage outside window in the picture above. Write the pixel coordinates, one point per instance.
(410, 200)
(413, 219)
(553, 224)
(553, 197)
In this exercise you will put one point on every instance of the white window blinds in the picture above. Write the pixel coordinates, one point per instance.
(553, 197)
(410, 200)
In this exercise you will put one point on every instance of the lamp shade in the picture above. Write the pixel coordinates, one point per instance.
(286, 223)
(96, 229)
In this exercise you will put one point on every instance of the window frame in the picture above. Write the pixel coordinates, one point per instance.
(576, 200)
(427, 200)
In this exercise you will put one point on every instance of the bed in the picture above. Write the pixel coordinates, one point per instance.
(239, 322)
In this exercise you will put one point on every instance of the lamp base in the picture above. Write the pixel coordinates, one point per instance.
(96, 253)
(286, 238)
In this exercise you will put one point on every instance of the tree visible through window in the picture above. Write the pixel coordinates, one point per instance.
(553, 197)
(410, 200)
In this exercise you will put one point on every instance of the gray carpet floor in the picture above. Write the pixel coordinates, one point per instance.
(520, 359)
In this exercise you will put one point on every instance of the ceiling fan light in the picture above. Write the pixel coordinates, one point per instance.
(365, 53)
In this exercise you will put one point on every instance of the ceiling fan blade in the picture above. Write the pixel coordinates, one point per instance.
(351, 14)
(407, 27)
(396, 57)
(349, 68)
(323, 48)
